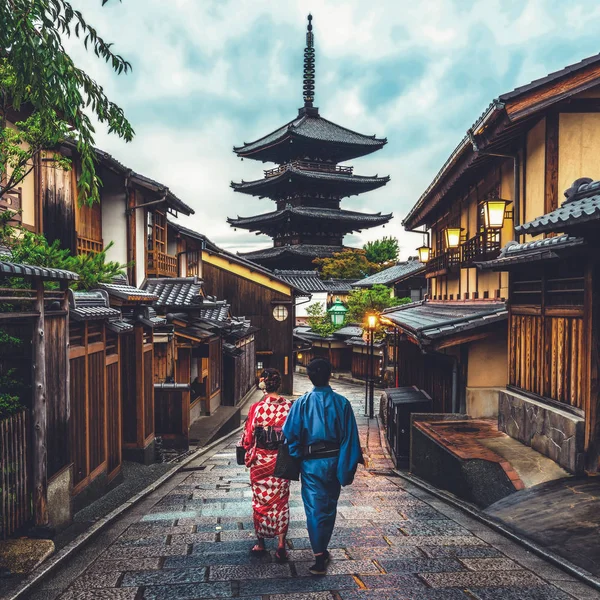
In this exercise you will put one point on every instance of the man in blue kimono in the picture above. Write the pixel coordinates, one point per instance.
(321, 429)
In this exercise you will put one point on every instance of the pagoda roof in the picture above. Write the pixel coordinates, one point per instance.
(303, 250)
(323, 137)
(352, 221)
(293, 178)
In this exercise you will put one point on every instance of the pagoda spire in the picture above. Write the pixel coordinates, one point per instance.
(309, 66)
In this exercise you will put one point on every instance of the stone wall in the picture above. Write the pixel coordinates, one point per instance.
(555, 433)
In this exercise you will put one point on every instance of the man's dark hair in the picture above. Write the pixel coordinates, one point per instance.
(319, 371)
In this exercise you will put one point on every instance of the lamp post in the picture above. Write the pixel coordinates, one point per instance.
(370, 379)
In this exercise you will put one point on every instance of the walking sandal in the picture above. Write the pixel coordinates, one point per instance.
(281, 555)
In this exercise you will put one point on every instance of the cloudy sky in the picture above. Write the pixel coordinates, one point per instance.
(211, 74)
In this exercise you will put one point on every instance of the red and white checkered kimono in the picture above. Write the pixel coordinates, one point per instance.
(270, 495)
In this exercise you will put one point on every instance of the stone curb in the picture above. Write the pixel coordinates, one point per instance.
(62, 555)
(581, 574)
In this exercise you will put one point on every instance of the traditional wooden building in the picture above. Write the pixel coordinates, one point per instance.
(507, 171)
(405, 280)
(309, 183)
(554, 323)
(254, 292)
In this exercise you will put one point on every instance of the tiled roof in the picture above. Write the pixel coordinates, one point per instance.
(297, 250)
(544, 249)
(119, 326)
(393, 274)
(128, 292)
(310, 281)
(313, 128)
(30, 271)
(342, 183)
(216, 314)
(355, 220)
(87, 306)
(427, 321)
(176, 292)
(170, 198)
(358, 341)
(211, 247)
(581, 206)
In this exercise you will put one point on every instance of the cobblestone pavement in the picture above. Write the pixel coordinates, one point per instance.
(392, 541)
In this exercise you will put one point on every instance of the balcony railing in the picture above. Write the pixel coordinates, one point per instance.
(484, 246)
(193, 263)
(308, 166)
(87, 246)
(444, 262)
(161, 264)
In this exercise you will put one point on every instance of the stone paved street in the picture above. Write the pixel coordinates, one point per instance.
(394, 541)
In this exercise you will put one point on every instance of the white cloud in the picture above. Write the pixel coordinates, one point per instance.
(202, 67)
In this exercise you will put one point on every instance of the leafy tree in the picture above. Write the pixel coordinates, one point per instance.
(347, 264)
(367, 301)
(382, 251)
(40, 83)
(319, 320)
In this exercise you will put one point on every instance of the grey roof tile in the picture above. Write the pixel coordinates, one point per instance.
(128, 292)
(356, 219)
(30, 271)
(344, 183)
(176, 292)
(581, 206)
(393, 274)
(428, 320)
(536, 250)
(312, 128)
(310, 281)
(296, 250)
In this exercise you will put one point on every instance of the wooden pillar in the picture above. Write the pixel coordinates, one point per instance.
(591, 406)
(39, 413)
(131, 236)
(139, 384)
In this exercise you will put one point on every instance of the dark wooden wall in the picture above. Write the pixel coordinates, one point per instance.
(274, 339)
(58, 204)
(428, 372)
(548, 353)
(59, 454)
(239, 374)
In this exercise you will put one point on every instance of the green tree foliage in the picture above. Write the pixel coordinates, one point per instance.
(41, 84)
(383, 251)
(368, 301)
(12, 389)
(319, 320)
(348, 264)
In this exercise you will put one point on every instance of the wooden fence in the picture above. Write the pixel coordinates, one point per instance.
(15, 491)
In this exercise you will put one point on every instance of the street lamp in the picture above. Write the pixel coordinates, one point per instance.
(452, 235)
(424, 253)
(494, 212)
(372, 322)
(337, 313)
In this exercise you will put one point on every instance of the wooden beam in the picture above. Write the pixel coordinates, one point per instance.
(551, 167)
(39, 414)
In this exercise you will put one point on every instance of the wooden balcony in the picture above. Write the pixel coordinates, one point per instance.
(443, 263)
(308, 166)
(161, 264)
(87, 246)
(484, 246)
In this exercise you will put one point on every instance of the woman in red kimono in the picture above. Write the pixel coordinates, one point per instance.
(262, 437)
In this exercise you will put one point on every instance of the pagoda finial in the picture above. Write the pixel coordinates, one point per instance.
(309, 66)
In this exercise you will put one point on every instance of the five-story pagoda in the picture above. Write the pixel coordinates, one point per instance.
(308, 184)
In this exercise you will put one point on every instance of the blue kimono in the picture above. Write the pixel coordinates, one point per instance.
(323, 416)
